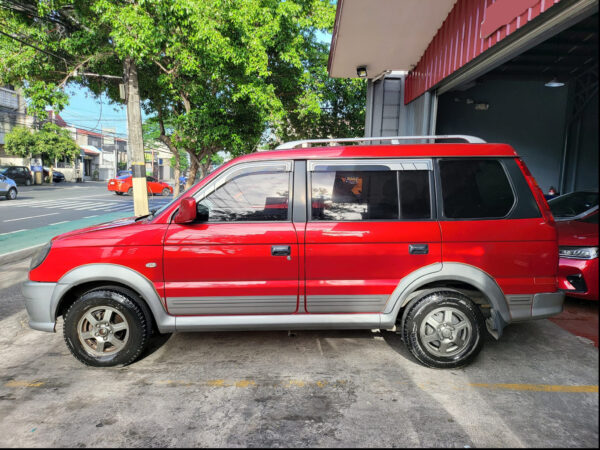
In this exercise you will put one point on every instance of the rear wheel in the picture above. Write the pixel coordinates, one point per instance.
(106, 328)
(443, 329)
(11, 194)
(130, 191)
(27, 182)
(118, 193)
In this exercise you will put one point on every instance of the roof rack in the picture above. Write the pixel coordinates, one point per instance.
(394, 140)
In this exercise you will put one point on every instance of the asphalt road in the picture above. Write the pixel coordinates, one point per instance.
(39, 206)
(536, 387)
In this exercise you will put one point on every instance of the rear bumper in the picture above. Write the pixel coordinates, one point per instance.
(38, 299)
(116, 187)
(536, 306)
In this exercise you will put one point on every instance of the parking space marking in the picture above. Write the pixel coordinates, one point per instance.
(30, 217)
(538, 387)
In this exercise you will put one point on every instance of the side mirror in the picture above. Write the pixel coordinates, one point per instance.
(201, 213)
(187, 211)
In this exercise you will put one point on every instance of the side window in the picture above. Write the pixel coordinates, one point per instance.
(257, 196)
(415, 202)
(475, 189)
(354, 195)
(150, 179)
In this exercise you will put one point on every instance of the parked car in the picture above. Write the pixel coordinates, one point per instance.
(19, 174)
(57, 176)
(578, 250)
(8, 187)
(345, 237)
(124, 185)
(573, 206)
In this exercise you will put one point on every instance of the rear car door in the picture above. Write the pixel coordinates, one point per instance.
(244, 260)
(371, 223)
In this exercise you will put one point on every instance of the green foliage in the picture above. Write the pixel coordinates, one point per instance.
(183, 161)
(217, 73)
(52, 142)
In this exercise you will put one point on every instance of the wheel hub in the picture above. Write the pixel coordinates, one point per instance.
(103, 330)
(445, 331)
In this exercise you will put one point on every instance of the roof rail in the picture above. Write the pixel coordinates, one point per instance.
(394, 139)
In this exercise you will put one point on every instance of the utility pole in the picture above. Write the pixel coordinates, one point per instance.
(134, 127)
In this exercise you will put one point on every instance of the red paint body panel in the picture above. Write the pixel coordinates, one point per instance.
(471, 28)
(361, 258)
(521, 255)
(123, 185)
(230, 260)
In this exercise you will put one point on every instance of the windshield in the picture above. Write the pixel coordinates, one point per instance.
(123, 177)
(573, 204)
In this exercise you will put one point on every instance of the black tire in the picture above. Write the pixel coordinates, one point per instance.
(130, 191)
(118, 193)
(430, 354)
(137, 333)
(11, 194)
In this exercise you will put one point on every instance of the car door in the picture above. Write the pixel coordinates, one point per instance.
(244, 259)
(13, 174)
(371, 223)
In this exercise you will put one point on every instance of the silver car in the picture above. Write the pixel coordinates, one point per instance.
(8, 187)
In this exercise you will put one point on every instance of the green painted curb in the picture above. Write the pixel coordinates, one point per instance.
(28, 238)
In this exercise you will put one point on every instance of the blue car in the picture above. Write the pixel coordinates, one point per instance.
(8, 187)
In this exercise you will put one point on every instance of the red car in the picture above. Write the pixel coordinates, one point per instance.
(437, 241)
(124, 185)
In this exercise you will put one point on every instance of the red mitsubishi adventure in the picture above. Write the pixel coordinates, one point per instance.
(437, 241)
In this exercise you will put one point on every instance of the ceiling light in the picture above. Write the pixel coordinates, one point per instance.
(554, 83)
(361, 71)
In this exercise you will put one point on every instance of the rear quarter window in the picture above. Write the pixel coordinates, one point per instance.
(475, 189)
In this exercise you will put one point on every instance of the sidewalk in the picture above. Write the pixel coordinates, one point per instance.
(21, 244)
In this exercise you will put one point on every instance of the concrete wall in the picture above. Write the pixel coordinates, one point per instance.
(524, 114)
(387, 115)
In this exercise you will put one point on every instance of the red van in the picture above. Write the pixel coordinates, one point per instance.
(436, 241)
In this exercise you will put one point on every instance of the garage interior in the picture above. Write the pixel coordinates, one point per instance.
(543, 102)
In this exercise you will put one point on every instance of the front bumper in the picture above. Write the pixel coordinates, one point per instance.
(579, 277)
(38, 301)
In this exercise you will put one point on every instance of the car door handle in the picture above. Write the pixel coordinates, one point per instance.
(418, 249)
(281, 250)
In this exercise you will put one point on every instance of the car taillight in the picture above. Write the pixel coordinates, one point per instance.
(537, 192)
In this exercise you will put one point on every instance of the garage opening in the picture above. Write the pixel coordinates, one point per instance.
(543, 102)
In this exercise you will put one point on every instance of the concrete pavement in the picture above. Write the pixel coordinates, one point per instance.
(536, 387)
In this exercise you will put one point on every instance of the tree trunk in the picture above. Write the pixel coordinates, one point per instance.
(192, 175)
(136, 142)
(169, 143)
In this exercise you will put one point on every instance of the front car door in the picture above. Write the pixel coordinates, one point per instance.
(244, 259)
(371, 223)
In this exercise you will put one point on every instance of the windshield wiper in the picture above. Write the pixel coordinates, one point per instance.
(152, 211)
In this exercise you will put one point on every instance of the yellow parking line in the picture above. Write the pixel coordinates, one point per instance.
(537, 387)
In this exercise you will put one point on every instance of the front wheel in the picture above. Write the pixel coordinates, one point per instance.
(27, 182)
(11, 194)
(106, 328)
(443, 329)
(166, 192)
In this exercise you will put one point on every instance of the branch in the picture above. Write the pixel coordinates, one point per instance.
(82, 63)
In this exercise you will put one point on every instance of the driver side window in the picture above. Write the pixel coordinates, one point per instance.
(257, 196)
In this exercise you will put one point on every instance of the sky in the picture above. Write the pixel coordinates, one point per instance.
(87, 111)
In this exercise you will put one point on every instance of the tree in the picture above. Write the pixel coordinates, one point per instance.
(51, 142)
(215, 73)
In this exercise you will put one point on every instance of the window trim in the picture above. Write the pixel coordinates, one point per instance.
(244, 169)
(440, 198)
(394, 165)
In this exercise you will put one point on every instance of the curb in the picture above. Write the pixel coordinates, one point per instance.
(19, 255)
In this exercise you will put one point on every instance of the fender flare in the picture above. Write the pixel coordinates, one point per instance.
(115, 273)
(449, 271)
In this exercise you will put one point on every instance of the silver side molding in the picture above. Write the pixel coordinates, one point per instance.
(284, 322)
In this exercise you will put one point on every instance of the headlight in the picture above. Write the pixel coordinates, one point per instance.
(40, 256)
(578, 252)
